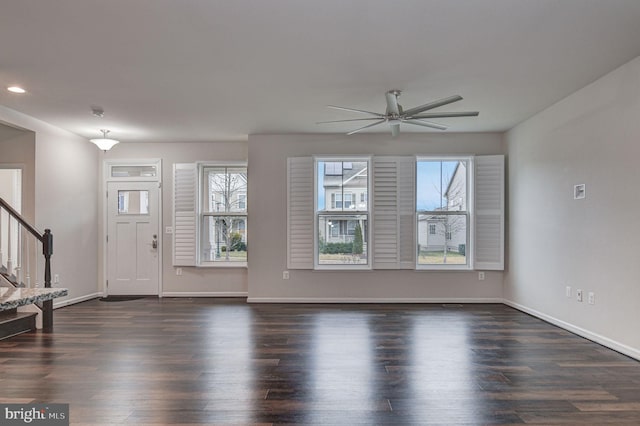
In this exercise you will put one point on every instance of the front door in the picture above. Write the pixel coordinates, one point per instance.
(132, 238)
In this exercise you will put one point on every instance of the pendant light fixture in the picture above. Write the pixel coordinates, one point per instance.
(104, 143)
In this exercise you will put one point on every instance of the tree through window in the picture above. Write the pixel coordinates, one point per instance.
(442, 213)
(224, 215)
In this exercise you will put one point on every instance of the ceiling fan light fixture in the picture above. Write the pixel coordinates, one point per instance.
(105, 143)
(396, 115)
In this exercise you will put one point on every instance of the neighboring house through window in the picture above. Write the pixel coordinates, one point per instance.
(341, 221)
(442, 194)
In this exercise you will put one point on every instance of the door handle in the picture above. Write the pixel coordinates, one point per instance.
(154, 243)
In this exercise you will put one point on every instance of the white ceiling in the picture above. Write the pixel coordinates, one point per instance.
(203, 70)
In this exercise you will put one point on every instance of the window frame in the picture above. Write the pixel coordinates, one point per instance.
(203, 214)
(468, 213)
(366, 230)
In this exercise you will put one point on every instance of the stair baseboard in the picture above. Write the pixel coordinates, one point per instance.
(13, 323)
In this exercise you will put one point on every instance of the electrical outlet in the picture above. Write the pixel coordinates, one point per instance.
(579, 295)
(178, 271)
(480, 276)
(56, 279)
(568, 291)
(168, 230)
(592, 298)
(285, 275)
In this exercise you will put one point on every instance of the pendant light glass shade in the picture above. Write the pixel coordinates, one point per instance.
(104, 143)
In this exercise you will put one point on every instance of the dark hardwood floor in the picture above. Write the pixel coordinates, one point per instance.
(222, 361)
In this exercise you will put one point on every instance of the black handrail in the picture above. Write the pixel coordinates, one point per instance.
(32, 230)
(46, 239)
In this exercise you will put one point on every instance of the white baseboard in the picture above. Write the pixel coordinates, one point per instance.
(204, 294)
(368, 300)
(75, 300)
(604, 341)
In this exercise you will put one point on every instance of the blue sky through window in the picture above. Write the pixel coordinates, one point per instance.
(431, 183)
(320, 181)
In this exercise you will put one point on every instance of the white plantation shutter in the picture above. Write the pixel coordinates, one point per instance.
(300, 214)
(185, 214)
(393, 213)
(489, 212)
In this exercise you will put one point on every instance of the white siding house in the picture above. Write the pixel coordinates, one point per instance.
(447, 228)
(345, 189)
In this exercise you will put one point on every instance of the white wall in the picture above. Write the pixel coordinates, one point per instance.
(268, 216)
(193, 281)
(18, 150)
(591, 137)
(65, 201)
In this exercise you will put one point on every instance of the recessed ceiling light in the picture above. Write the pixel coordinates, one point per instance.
(16, 89)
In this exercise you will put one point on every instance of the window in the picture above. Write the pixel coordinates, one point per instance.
(341, 221)
(425, 213)
(133, 171)
(349, 200)
(223, 218)
(336, 201)
(242, 201)
(133, 202)
(443, 217)
(344, 200)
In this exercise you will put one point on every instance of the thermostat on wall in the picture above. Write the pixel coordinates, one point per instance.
(579, 191)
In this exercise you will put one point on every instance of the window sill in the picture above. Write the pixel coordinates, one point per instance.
(443, 268)
(224, 265)
(337, 268)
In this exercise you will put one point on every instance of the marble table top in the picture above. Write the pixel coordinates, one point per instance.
(11, 298)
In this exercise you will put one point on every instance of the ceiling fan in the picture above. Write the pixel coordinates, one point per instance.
(395, 115)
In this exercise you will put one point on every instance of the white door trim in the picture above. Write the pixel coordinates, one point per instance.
(106, 167)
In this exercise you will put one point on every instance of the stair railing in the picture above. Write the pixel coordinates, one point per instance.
(16, 236)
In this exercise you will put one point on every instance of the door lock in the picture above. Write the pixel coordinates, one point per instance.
(154, 243)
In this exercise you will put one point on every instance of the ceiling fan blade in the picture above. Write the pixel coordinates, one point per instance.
(446, 114)
(431, 105)
(365, 127)
(395, 130)
(355, 110)
(392, 102)
(353, 119)
(425, 124)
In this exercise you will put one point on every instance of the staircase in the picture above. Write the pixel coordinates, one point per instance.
(13, 323)
(12, 279)
(24, 306)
